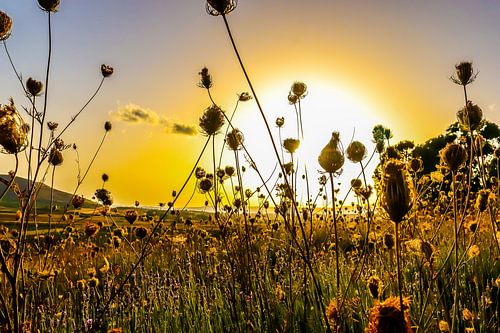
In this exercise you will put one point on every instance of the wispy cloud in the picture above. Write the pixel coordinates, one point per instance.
(135, 114)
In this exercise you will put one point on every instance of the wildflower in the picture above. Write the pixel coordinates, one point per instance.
(205, 79)
(141, 232)
(91, 229)
(291, 145)
(235, 139)
(444, 327)
(473, 251)
(396, 191)
(280, 121)
(464, 73)
(220, 174)
(212, 120)
(244, 97)
(453, 156)
(356, 151)
(416, 164)
(220, 7)
(55, 157)
(5, 26)
(482, 200)
(106, 70)
(375, 286)
(299, 89)
(387, 317)
(105, 267)
(331, 157)
(13, 130)
(77, 201)
(470, 117)
(49, 5)
(107, 126)
(131, 216)
(468, 316)
(437, 176)
(288, 168)
(34, 87)
(104, 196)
(115, 330)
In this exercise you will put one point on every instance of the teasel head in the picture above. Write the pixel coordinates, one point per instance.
(13, 130)
(49, 5)
(34, 87)
(453, 156)
(55, 157)
(470, 117)
(205, 79)
(299, 89)
(397, 190)
(220, 7)
(356, 151)
(106, 70)
(464, 73)
(5, 26)
(212, 120)
(235, 139)
(291, 145)
(331, 158)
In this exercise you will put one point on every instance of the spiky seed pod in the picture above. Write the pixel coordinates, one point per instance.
(205, 185)
(356, 183)
(141, 232)
(49, 5)
(291, 145)
(107, 126)
(56, 157)
(77, 201)
(396, 191)
(299, 89)
(235, 139)
(465, 73)
(229, 170)
(131, 216)
(482, 200)
(5, 26)
(375, 286)
(244, 97)
(453, 156)
(331, 158)
(387, 317)
(106, 70)
(470, 117)
(205, 79)
(34, 87)
(13, 130)
(220, 7)
(212, 120)
(280, 121)
(356, 151)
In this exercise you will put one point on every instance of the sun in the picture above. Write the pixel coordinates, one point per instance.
(325, 109)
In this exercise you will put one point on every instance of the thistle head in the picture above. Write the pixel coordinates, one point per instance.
(220, 7)
(5, 26)
(356, 151)
(49, 5)
(235, 139)
(453, 156)
(331, 158)
(212, 120)
(464, 73)
(396, 190)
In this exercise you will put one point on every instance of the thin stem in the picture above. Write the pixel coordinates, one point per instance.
(398, 264)
(456, 231)
(51, 199)
(336, 234)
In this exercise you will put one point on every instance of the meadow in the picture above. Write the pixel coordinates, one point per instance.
(413, 247)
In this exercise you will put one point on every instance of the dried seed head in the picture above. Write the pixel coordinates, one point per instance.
(470, 117)
(107, 126)
(291, 145)
(34, 87)
(131, 216)
(333, 313)
(497, 153)
(453, 156)
(292, 99)
(13, 130)
(388, 317)
(280, 121)
(205, 79)
(212, 120)
(52, 126)
(375, 286)
(106, 70)
(140, 232)
(244, 97)
(396, 191)
(444, 327)
(5, 26)
(235, 139)
(229, 170)
(200, 173)
(55, 157)
(205, 185)
(104, 196)
(416, 164)
(356, 151)
(299, 89)
(91, 229)
(482, 200)
(220, 7)
(356, 183)
(464, 73)
(389, 241)
(331, 157)
(77, 201)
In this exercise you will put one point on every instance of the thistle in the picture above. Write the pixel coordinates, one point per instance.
(388, 317)
(464, 73)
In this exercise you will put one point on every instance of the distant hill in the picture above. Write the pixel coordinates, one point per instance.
(60, 198)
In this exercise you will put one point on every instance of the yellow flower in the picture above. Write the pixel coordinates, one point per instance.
(473, 252)
(444, 327)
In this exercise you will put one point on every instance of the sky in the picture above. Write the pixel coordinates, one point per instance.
(365, 63)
